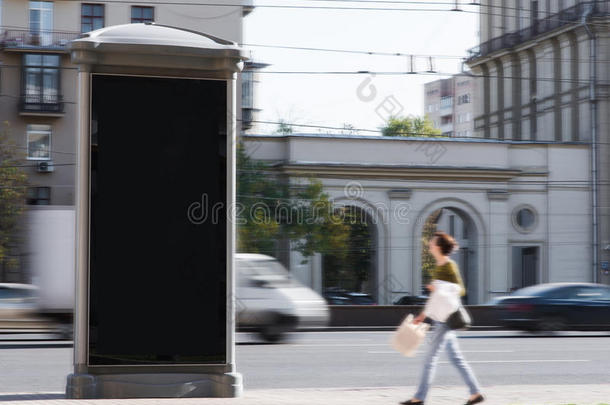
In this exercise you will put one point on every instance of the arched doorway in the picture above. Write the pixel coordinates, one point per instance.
(355, 268)
(463, 223)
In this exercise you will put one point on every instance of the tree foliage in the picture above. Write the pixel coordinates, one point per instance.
(13, 182)
(409, 126)
(283, 128)
(354, 270)
(427, 260)
(271, 208)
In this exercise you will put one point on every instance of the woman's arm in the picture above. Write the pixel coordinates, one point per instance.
(419, 319)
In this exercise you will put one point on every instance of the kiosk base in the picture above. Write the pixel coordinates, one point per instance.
(88, 386)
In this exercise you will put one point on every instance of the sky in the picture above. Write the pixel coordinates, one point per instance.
(361, 101)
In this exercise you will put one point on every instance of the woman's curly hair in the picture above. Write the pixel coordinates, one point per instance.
(446, 242)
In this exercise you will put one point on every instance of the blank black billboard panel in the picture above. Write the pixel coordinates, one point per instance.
(157, 281)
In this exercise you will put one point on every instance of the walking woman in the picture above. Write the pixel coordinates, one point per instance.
(441, 246)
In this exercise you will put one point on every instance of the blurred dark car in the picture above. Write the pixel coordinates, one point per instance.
(361, 299)
(336, 296)
(557, 306)
(411, 300)
(336, 300)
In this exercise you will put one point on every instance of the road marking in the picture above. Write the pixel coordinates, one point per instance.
(522, 361)
(463, 351)
(335, 345)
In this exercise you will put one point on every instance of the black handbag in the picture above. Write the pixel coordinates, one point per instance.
(460, 319)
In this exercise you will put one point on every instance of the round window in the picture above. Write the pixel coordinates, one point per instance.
(525, 219)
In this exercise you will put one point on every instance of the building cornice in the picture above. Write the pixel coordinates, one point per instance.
(378, 138)
(520, 47)
(406, 172)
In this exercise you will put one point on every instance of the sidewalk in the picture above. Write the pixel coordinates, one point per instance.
(497, 395)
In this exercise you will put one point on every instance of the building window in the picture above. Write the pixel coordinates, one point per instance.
(447, 102)
(464, 99)
(247, 89)
(141, 14)
(39, 196)
(462, 118)
(452, 225)
(39, 142)
(41, 22)
(525, 219)
(447, 120)
(41, 82)
(92, 17)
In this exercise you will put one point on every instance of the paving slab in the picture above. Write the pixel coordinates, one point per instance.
(496, 395)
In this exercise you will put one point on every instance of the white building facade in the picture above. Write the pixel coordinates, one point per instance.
(545, 77)
(517, 220)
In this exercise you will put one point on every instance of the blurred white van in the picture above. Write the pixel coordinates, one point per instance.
(17, 301)
(270, 301)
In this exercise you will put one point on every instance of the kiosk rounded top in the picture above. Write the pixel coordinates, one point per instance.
(151, 39)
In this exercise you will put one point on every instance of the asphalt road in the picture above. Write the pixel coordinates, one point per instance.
(355, 359)
(351, 359)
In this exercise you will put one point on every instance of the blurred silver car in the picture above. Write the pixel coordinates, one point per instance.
(17, 301)
(270, 301)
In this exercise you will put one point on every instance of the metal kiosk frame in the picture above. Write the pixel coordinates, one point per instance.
(158, 51)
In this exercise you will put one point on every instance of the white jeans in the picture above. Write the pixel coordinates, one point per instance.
(443, 336)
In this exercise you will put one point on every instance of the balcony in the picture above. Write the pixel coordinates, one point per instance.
(25, 40)
(446, 128)
(50, 105)
(563, 18)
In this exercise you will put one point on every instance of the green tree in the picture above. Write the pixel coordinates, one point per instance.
(270, 208)
(427, 260)
(352, 271)
(13, 183)
(409, 126)
(283, 128)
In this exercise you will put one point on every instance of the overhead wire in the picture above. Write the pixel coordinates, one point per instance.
(405, 135)
(335, 7)
(398, 54)
(370, 8)
(380, 73)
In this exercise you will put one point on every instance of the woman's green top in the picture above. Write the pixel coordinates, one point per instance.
(449, 272)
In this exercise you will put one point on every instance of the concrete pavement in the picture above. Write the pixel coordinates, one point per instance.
(496, 395)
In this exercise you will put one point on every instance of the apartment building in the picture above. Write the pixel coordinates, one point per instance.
(545, 77)
(38, 83)
(449, 105)
(250, 88)
(38, 86)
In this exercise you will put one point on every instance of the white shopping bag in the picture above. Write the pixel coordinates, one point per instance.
(409, 336)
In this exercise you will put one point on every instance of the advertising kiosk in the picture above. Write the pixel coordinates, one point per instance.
(154, 313)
